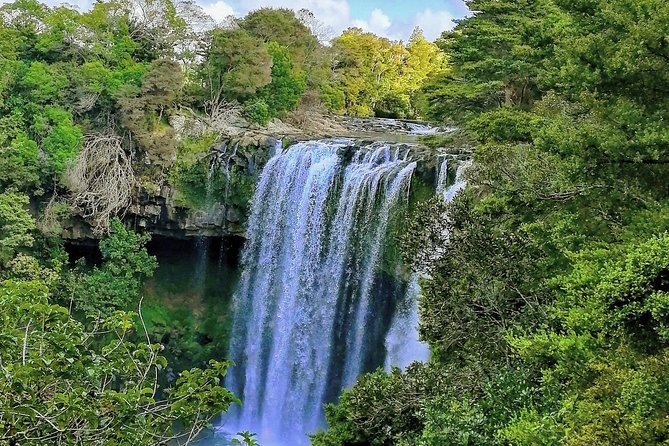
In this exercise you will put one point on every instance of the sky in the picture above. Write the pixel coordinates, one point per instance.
(394, 19)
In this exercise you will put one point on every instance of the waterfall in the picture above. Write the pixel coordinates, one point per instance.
(402, 344)
(442, 177)
(449, 193)
(308, 313)
(402, 341)
(202, 242)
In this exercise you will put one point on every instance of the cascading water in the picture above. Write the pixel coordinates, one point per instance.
(402, 342)
(449, 193)
(201, 242)
(306, 319)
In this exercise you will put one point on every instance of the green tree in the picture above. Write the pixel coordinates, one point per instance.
(287, 86)
(548, 312)
(19, 163)
(237, 65)
(63, 383)
(145, 111)
(496, 56)
(375, 75)
(16, 225)
(281, 26)
(116, 284)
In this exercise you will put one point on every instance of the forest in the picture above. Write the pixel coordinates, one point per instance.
(547, 319)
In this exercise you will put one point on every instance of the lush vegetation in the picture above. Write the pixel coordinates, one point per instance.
(547, 320)
(77, 368)
(99, 108)
(96, 103)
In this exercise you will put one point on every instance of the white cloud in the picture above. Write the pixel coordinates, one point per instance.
(433, 23)
(378, 23)
(218, 11)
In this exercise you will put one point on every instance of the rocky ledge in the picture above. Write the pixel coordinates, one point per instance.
(243, 150)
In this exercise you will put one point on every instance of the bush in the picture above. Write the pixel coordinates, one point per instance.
(333, 98)
(504, 124)
(258, 111)
(117, 283)
(16, 225)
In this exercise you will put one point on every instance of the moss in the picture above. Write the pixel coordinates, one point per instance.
(421, 190)
(190, 185)
(241, 190)
(194, 188)
(422, 187)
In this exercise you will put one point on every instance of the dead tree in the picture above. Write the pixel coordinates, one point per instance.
(101, 180)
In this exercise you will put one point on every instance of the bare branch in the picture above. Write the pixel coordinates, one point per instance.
(101, 180)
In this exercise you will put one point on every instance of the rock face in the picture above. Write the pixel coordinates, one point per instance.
(244, 152)
(386, 126)
(161, 214)
(161, 211)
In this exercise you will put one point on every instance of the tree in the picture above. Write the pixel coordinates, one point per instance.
(283, 27)
(16, 225)
(101, 181)
(548, 314)
(287, 86)
(361, 63)
(320, 30)
(63, 383)
(19, 163)
(237, 65)
(378, 76)
(145, 111)
(496, 56)
(116, 284)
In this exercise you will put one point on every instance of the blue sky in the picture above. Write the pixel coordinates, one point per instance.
(391, 18)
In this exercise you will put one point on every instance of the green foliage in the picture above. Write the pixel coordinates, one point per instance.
(376, 75)
(258, 111)
(19, 163)
(145, 111)
(502, 125)
(287, 86)
(282, 27)
(197, 186)
(43, 83)
(547, 316)
(381, 408)
(64, 383)
(16, 225)
(117, 283)
(246, 439)
(497, 58)
(333, 98)
(60, 138)
(238, 65)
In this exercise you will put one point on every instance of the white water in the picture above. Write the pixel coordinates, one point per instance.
(422, 129)
(450, 192)
(308, 311)
(403, 345)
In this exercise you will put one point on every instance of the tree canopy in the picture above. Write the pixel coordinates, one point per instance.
(546, 319)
